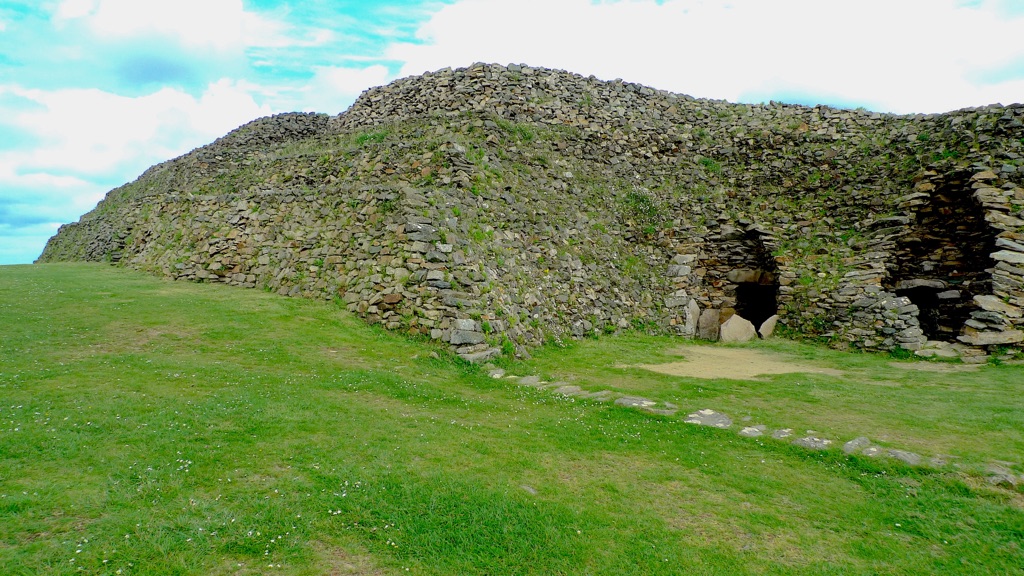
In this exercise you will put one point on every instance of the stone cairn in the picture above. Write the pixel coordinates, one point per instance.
(498, 207)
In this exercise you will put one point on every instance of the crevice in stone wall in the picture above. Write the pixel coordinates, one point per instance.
(943, 262)
(742, 276)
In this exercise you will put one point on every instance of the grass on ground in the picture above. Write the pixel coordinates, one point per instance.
(153, 427)
(973, 416)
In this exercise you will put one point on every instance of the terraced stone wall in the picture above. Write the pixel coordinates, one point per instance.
(500, 207)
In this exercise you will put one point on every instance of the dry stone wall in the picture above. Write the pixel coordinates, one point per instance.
(498, 207)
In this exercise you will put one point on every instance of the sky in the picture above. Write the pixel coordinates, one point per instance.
(93, 92)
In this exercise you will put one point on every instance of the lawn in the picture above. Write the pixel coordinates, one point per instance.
(155, 427)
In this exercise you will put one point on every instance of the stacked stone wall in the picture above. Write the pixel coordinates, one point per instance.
(500, 207)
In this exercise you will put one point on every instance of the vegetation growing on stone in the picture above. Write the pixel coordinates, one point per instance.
(550, 206)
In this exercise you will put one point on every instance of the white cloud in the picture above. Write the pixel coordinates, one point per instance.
(72, 9)
(54, 197)
(92, 132)
(208, 24)
(903, 55)
(333, 89)
(90, 139)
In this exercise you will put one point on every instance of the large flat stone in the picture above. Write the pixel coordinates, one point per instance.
(1009, 244)
(1003, 219)
(813, 443)
(482, 356)
(677, 270)
(466, 324)
(691, 318)
(1008, 256)
(737, 329)
(635, 402)
(461, 337)
(936, 352)
(908, 458)
(856, 444)
(753, 431)
(768, 326)
(707, 325)
(709, 418)
(995, 304)
(921, 283)
(976, 338)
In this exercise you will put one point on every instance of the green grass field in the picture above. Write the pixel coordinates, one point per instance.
(153, 427)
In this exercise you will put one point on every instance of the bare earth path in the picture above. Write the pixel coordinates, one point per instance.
(733, 363)
(747, 364)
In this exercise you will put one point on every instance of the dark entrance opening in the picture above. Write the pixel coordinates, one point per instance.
(757, 302)
(742, 276)
(938, 321)
(943, 262)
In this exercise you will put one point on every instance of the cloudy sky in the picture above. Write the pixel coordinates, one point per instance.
(93, 92)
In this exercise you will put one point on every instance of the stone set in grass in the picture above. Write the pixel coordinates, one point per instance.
(996, 473)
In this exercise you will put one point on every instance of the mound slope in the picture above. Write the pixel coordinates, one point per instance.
(496, 207)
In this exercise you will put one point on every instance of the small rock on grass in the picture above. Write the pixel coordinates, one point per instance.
(753, 431)
(856, 444)
(1000, 475)
(478, 357)
(813, 443)
(709, 418)
(782, 433)
(667, 409)
(908, 458)
(635, 402)
(530, 381)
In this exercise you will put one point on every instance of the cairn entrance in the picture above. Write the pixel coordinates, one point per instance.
(757, 299)
(743, 277)
(943, 262)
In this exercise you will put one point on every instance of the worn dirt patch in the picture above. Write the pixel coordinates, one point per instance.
(733, 363)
